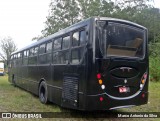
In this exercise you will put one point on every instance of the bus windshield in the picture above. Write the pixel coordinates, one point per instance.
(121, 40)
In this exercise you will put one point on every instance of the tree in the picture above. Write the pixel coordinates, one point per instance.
(136, 4)
(150, 18)
(67, 12)
(62, 14)
(128, 9)
(90, 8)
(7, 46)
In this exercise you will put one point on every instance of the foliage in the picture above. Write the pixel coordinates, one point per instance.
(67, 12)
(150, 18)
(7, 46)
(154, 69)
(62, 14)
(154, 61)
(157, 37)
(154, 50)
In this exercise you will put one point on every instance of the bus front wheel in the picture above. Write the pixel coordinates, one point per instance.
(43, 92)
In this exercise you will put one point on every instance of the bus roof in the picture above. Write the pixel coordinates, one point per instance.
(74, 26)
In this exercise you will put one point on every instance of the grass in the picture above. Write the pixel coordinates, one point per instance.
(17, 100)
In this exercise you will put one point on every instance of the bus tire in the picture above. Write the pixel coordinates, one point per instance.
(43, 93)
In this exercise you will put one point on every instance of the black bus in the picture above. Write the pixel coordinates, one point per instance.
(100, 63)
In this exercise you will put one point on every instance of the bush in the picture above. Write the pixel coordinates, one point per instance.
(154, 68)
(154, 50)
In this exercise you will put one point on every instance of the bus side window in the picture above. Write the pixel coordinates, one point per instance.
(66, 42)
(42, 54)
(19, 61)
(35, 50)
(82, 37)
(27, 53)
(75, 39)
(32, 56)
(49, 47)
(25, 57)
(57, 44)
(24, 54)
(42, 48)
(48, 51)
(78, 40)
(61, 57)
(31, 52)
(15, 61)
(19, 55)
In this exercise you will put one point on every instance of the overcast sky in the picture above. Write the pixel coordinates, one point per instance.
(157, 3)
(24, 19)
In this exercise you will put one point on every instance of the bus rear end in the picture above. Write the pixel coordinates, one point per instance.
(120, 62)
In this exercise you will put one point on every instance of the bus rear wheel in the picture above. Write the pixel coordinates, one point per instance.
(43, 92)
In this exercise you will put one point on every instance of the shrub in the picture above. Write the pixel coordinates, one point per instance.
(154, 50)
(154, 68)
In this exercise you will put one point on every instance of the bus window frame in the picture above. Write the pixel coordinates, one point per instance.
(25, 57)
(53, 41)
(61, 50)
(45, 53)
(34, 55)
(64, 36)
(83, 46)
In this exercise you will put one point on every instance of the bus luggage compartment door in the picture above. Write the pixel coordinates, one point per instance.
(70, 91)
